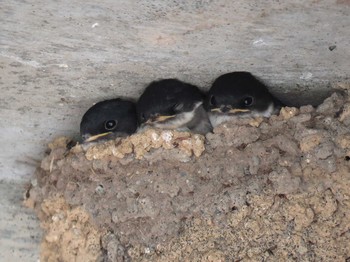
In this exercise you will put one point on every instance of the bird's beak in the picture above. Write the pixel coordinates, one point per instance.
(93, 138)
(159, 119)
(237, 110)
(231, 111)
(163, 118)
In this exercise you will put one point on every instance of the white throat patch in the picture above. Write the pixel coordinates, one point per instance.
(218, 118)
(180, 120)
(268, 112)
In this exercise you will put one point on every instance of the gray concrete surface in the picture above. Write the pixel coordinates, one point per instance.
(19, 229)
(59, 57)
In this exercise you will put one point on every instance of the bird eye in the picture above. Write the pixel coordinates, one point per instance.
(177, 107)
(110, 124)
(248, 101)
(142, 117)
(212, 100)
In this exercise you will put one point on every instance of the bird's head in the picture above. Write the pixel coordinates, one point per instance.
(108, 119)
(165, 101)
(238, 93)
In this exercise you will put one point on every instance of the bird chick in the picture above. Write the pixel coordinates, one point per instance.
(109, 119)
(173, 104)
(239, 94)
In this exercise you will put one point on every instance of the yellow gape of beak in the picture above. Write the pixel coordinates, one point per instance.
(159, 119)
(237, 110)
(163, 118)
(232, 111)
(93, 138)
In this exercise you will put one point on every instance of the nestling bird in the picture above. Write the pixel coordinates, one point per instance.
(109, 119)
(239, 94)
(173, 104)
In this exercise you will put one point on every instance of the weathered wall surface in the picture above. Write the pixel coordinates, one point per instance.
(58, 57)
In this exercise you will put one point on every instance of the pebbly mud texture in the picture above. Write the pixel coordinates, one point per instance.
(272, 189)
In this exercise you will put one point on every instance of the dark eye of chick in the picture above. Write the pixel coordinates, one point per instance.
(177, 107)
(248, 101)
(142, 117)
(212, 100)
(110, 125)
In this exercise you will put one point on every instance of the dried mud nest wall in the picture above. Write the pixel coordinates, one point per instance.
(272, 189)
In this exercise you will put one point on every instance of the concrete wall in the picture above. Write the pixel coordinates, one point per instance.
(59, 57)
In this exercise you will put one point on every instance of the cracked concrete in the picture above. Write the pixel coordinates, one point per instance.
(59, 57)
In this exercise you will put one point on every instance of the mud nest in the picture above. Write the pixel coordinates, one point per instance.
(272, 189)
